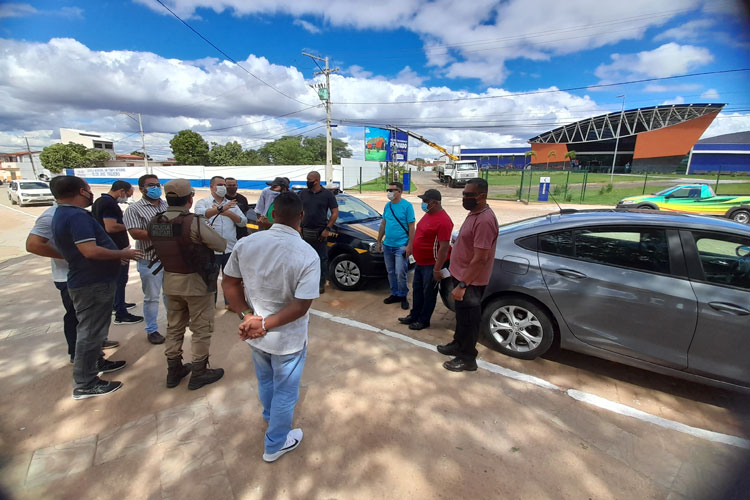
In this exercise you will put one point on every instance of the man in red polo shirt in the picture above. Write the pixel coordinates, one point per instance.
(430, 249)
(471, 267)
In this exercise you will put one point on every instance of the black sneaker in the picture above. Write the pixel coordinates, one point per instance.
(110, 344)
(128, 319)
(155, 338)
(129, 305)
(100, 388)
(391, 299)
(106, 366)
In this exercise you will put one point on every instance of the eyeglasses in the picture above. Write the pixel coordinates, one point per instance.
(393, 190)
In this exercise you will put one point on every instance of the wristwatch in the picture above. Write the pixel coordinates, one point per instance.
(220, 208)
(461, 284)
(245, 313)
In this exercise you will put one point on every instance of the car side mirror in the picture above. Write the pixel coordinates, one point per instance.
(742, 251)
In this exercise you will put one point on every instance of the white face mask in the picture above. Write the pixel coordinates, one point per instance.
(391, 195)
(122, 199)
(221, 191)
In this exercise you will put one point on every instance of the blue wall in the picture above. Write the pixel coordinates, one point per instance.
(715, 162)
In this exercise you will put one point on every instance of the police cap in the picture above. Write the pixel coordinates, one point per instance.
(178, 188)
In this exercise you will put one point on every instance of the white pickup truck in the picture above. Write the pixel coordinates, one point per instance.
(456, 173)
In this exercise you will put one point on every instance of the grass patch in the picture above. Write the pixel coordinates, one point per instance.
(379, 185)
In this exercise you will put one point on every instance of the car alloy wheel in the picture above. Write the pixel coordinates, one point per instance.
(345, 273)
(517, 327)
(741, 216)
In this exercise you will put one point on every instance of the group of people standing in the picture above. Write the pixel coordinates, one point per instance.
(269, 277)
(468, 264)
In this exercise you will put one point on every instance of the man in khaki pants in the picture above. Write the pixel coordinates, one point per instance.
(185, 245)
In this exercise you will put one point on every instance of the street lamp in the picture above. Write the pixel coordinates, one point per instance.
(617, 139)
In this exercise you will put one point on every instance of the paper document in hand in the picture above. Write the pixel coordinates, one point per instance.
(445, 273)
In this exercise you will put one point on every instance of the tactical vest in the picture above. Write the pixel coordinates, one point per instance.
(176, 250)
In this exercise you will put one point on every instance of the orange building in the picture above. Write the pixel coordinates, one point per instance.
(654, 139)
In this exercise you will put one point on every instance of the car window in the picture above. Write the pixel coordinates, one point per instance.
(725, 259)
(34, 185)
(641, 249)
(467, 166)
(353, 210)
(680, 193)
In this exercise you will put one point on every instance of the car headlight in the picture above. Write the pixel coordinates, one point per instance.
(628, 202)
(372, 247)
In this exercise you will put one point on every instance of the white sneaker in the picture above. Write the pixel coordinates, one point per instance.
(293, 439)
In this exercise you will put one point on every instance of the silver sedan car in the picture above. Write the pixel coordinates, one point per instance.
(663, 292)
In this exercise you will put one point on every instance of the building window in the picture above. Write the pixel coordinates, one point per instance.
(108, 146)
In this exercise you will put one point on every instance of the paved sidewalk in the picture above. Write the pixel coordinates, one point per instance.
(382, 419)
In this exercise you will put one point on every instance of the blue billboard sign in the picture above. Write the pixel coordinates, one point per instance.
(400, 143)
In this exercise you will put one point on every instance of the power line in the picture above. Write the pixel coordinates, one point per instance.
(535, 92)
(260, 121)
(229, 57)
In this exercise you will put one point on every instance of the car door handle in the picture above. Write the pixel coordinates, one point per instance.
(721, 306)
(570, 274)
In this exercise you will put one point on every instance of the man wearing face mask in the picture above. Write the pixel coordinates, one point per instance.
(430, 249)
(93, 266)
(136, 218)
(242, 203)
(316, 225)
(470, 268)
(398, 228)
(264, 207)
(107, 211)
(222, 215)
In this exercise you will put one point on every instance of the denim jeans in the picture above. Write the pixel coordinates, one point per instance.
(122, 281)
(151, 286)
(468, 320)
(278, 391)
(93, 306)
(397, 266)
(425, 294)
(70, 321)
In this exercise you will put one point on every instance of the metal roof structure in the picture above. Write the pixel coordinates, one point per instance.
(631, 122)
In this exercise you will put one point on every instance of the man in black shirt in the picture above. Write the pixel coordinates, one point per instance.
(316, 225)
(242, 203)
(107, 211)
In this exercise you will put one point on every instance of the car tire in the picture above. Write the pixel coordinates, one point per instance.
(742, 216)
(445, 288)
(453, 183)
(12, 201)
(345, 272)
(646, 207)
(530, 334)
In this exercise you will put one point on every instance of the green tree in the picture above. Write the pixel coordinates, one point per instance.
(570, 155)
(528, 155)
(288, 150)
(552, 154)
(189, 148)
(229, 154)
(57, 157)
(139, 153)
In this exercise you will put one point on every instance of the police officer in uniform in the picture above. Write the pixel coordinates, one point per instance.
(185, 245)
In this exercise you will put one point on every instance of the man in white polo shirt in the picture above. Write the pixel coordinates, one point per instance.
(280, 274)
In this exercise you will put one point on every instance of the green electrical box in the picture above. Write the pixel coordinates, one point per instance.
(323, 94)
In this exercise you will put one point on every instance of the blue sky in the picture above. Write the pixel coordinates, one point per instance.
(75, 64)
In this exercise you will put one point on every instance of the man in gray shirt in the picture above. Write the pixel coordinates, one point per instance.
(280, 274)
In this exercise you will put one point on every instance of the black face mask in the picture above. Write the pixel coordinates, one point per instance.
(469, 203)
(310, 184)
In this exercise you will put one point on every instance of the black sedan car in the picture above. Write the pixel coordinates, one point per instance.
(352, 258)
(666, 293)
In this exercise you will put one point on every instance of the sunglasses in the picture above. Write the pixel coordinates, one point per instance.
(393, 190)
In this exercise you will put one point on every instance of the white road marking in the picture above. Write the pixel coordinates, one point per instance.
(584, 397)
(19, 211)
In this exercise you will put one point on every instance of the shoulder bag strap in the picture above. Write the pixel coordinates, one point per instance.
(398, 220)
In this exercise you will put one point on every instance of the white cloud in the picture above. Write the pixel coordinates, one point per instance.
(25, 9)
(307, 26)
(727, 123)
(691, 30)
(473, 39)
(17, 10)
(359, 72)
(667, 60)
(659, 88)
(711, 94)
(63, 83)
(677, 100)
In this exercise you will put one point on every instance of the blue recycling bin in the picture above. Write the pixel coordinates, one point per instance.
(544, 183)
(407, 181)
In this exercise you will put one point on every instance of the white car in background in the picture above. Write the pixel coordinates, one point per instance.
(29, 192)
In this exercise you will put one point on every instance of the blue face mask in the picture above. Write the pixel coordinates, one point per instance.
(424, 207)
(154, 192)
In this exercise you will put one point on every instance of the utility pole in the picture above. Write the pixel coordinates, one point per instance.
(617, 140)
(31, 158)
(143, 138)
(324, 93)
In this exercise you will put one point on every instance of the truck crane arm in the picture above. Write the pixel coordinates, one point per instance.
(428, 142)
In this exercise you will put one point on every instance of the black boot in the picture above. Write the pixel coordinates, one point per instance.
(202, 375)
(176, 371)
